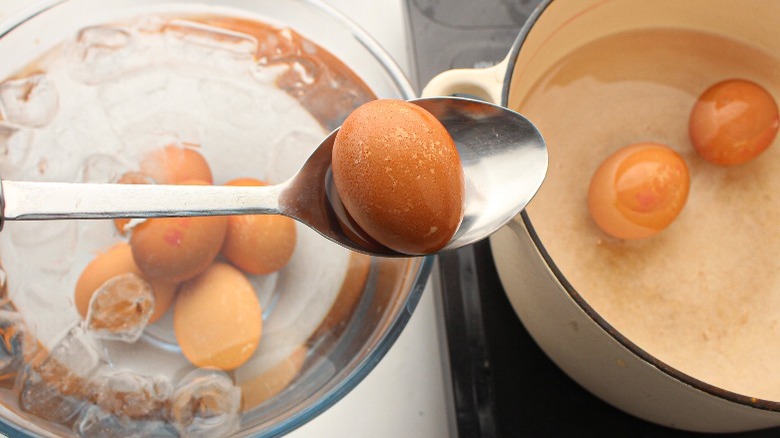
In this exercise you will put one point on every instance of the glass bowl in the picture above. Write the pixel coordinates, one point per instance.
(91, 86)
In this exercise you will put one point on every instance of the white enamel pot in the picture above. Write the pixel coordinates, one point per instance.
(568, 329)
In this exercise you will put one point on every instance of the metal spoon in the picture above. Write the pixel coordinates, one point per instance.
(504, 160)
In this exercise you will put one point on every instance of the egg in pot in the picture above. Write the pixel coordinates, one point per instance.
(733, 122)
(638, 190)
(399, 176)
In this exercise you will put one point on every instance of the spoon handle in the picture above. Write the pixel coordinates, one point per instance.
(26, 200)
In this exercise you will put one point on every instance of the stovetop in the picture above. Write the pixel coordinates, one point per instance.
(503, 385)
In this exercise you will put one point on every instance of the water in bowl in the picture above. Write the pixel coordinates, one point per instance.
(254, 99)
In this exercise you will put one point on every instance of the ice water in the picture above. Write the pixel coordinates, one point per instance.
(256, 100)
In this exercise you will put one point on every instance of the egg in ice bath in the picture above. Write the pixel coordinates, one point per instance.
(177, 248)
(399, 176)
(173, 164)
(130, 178)
(217, 318)
(110, 264)
(258, 243)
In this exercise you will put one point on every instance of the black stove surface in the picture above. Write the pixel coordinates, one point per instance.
(503, 385)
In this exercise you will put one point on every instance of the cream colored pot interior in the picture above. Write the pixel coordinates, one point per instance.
(566, 25)
(571, 332)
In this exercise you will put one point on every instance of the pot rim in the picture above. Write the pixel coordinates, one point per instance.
(730, 396)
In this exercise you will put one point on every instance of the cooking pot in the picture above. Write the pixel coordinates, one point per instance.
(570, 331)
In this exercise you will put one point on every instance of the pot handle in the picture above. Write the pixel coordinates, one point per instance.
(483, 83)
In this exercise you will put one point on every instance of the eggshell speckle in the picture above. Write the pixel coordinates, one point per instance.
(399, 175)
(217, 318)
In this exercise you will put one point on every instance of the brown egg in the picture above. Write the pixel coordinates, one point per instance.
(217, 318)
(258, 244)
(116, 261)
(179, 248)
(130, 178)
(399, 176)
(173, 164)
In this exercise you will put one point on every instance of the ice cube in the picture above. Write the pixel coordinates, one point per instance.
(48, 245)
(30, 100)
(60, 148)
(290, 60)
(15, 344)
(78, 352)
(130, 395)
(149, 24)
(206, 403)
(95, 422)
(56, 387)
(15, 144)
(120, 308)
(41, 393)
(203, 45)
(101, 52)
(279, 44)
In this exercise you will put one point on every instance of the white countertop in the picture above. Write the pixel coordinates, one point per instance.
(405, 395)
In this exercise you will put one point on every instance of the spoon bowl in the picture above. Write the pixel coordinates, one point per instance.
(504, 161)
